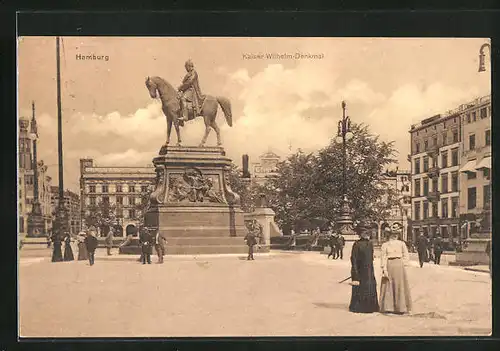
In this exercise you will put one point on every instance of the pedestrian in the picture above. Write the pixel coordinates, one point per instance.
(438, 249)
(394, 288)
(91, 245)
(146, 242)
(68, 251)
(340, 246)
(82, 248)
(57, 255)
(331, 243)
(364, 286)
(422, 249)
(160, 243)
(251, 240)
(48, 241)
(109, 241)
(430, 249)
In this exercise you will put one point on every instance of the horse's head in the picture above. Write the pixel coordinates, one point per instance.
(152, 88)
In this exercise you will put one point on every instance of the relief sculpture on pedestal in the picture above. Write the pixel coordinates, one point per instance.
(193, 186)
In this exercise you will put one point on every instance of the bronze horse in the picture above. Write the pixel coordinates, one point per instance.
(158, 87)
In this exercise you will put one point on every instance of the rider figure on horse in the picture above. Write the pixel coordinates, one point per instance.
(190, 91)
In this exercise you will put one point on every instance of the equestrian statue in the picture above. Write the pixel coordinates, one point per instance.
(187, 103)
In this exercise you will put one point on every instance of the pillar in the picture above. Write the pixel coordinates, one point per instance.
(265, 217)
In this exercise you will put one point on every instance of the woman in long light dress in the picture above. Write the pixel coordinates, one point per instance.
(395, 294)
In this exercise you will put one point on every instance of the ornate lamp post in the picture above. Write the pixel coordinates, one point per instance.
(481, 56)
(36, 225)
(344, 134)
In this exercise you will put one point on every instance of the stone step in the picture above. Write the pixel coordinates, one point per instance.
(198, 231)
(205, 241)
(196, 250)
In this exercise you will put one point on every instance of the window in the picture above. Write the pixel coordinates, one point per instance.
(435, 141)
(455, 136)
(131, 189)
(426, 163)
(486, 173)
(468, 118)
(486, 196)
(454, 207)
(119, 213)
(454, 181)
(435, 184)
(417, 148)
(454, 231)
(417, 165)
(472, 141)
(426, 210)
(417, 187)
(426, 145)
(471, 198)
(417, 210)
(435, 209)
(444, 232)
(131, 213)
(473, 116)
(471, 175)
(144, 188)
(444, 183)
(426, 187)
(444, 158)
(119, 200)
(131, 200)
(92, 200)
(119, 188)
(92, 189)
(105, 199)
(105, 189)
(444, 208)
(484, 112)
(444, 137)
(487, 137)
(454, 157)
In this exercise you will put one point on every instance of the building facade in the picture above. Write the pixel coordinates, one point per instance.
(397, 182)
(72, 204)
(121, 187)
(26, 177)
(437, 146)
(265, 168)
(475, 170)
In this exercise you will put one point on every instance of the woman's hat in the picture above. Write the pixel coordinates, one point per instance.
(394, 229)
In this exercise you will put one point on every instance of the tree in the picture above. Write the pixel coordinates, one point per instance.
(249, 192)
(101, 215)
(142, 206)
(310, 185)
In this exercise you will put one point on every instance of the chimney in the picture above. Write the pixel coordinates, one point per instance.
(246, 173)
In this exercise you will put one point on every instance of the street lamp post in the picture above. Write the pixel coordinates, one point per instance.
(481, 56)
(36, 223)
(344, 134)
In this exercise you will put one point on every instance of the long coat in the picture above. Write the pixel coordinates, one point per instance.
(91, 243)
(146, 242)
(68, 251)
(364, 297)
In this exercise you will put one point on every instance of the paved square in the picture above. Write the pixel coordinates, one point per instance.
(279, 294)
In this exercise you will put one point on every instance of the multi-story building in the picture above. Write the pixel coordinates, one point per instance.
(72, 204)
(265, 168)
(26, 182)
(435, 163)
(123, 187)
(438, 167)
(475, 171)
(398, 182)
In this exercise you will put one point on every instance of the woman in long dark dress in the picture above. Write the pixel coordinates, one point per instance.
(364, 286)
(82, 248)
(68, 251)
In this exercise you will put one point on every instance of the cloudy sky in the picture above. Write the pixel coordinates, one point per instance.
(278, 104)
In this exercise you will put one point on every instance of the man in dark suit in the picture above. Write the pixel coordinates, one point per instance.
(340, 246)
(422, 246)
(332, 242)
(146, 242)
(251, 239)
(91, 244)
(438, 249)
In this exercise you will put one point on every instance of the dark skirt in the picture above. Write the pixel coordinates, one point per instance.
(82, 252)
(364, 297)
(68, 253)
(395, 290)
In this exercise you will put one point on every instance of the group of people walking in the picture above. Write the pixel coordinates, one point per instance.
(429, 250)
(395, 294)
(336, 243)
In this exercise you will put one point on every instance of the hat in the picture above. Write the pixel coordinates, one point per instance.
(394, 229)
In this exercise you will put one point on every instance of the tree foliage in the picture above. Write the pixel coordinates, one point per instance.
(102, 215)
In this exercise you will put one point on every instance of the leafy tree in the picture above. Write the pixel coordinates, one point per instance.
(102, 216)
(142, 205)
(249, 192)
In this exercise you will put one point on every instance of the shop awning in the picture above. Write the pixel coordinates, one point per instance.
(485, 163)
(470, 166)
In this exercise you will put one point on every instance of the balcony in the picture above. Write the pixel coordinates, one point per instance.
(433, 150)
(433, 172)
(433, 195)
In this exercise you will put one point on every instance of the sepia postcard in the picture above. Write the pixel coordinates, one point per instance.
(252, 187)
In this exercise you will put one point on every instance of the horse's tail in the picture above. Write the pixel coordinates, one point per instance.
(225, 104)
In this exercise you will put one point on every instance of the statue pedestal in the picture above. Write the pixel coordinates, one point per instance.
(265, 217)
(192, 205)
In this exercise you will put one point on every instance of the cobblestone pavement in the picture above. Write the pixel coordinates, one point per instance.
(279, 294)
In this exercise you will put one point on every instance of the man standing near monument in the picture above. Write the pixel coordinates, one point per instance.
(109, 241)
(146, 242)
(340, 246)
(190, 92)
(250, 238)
(91, 244)
(160, 242)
